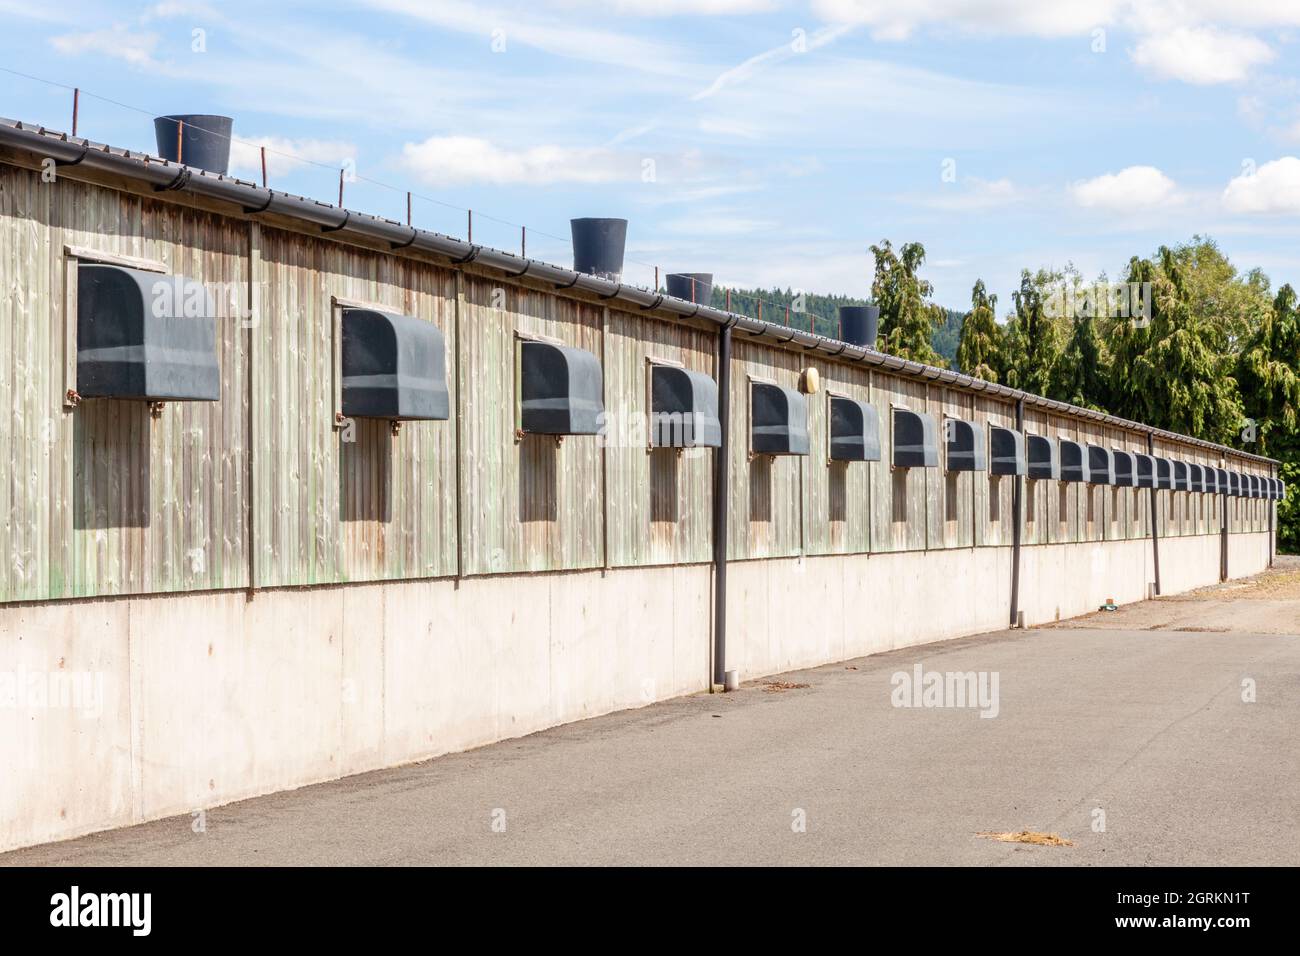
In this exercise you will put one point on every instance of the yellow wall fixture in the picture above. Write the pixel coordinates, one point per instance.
(810, 380)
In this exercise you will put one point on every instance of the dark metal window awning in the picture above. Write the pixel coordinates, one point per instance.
(1252, 486)
(144, 335)
(1211, 479)
(964, 443)
(1125, 469)
(1195, 477)
(915, 443)
(1044, 460)
(1144, 469)
(855, 430)
(1234, 484)
(561, 391)
(1101, 465)
(683, 409)
(394, 366)
(1007, 452)
(778, 420)
(1074, 461)
(1182, 481)
(1164, 473)
(1224, 482)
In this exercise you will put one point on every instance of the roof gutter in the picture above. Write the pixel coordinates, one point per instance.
(342, 223)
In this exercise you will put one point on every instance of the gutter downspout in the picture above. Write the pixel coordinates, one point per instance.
(1155, 517)
(1272, 541)
(1016, 498)
(721, 459)
(1223, 536)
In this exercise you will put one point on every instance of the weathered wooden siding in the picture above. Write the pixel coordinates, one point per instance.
(950, 495)
(898, 495)
(838, 516)
(353, 503)
(993, 513)
(104, 499)
(29, 339)
(529, 503)
(765, 519)
(660, 501)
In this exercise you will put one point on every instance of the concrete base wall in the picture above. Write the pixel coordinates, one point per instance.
(118, 711)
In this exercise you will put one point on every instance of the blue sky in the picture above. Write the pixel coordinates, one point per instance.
(769, 142)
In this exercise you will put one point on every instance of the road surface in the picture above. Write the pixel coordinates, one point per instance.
(1131, 734)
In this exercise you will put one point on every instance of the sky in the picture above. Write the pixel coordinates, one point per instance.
(768, 142)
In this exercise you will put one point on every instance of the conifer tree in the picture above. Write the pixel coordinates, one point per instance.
(907, 320)
(979, 348)
(1032, 337)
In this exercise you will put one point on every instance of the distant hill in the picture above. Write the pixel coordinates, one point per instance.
(820, 315)
(946, 336)
(822, 311)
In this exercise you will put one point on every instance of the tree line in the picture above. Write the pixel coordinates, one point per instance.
(1182, 341)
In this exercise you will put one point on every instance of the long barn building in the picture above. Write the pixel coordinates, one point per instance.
(248, 548)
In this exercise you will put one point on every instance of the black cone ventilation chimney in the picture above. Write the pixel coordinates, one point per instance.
(598, 246)
(691, 286)
(195, 139)
(858, 324)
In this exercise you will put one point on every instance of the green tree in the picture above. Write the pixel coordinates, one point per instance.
(979, 348)
(946, 336)
(1230, 305)
(907, 320)
(1165, 370)
(1079, 376)
(1267, 373)
(1032, 336)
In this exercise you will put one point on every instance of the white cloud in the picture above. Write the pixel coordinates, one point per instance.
(283, 155)
(892, 20)
(116, 41)
(1201, 55)
(974, 194)
(1248, 14)
(567, 37)
(800, 43)
(1131, 188)
(717, 224)
(25, 10)
(171, 9)
(675, 8)
(728, 127)
(1273, 188)
(1189, 40)
(695, 194)
(451, 160)
(819, 102)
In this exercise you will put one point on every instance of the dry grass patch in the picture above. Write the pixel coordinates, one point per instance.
(1027, 836)
(777, 686)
